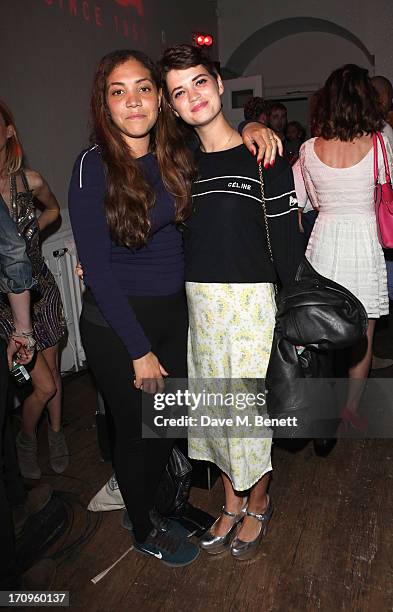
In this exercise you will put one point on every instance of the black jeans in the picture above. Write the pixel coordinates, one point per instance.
(138, 462)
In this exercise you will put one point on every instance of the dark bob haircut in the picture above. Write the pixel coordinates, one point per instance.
(348, 105)
(182, 57)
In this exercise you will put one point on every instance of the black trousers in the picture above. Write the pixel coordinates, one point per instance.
(9, 578)
(138, 462)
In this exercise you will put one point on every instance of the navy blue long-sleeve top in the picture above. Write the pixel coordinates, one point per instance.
(114, 272)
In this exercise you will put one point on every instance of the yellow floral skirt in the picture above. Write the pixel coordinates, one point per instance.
(230, 336)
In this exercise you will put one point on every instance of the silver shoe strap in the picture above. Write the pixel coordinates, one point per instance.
(260, 517)
(227, 513)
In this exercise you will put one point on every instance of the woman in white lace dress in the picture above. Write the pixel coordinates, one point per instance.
(338, 172)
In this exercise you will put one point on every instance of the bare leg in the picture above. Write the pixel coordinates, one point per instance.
(44, 389)
(257, 503)
(51, 356)
(233, 503)
(360, 363)
(58, 451)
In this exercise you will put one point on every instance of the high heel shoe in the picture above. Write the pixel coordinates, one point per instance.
(214, 544)
(247, 550)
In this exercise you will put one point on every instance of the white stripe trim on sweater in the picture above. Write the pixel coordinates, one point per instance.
(81, 164)
(246, 178)
(281, 196)
(245, 195)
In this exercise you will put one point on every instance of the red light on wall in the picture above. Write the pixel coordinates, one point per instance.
(203, 40)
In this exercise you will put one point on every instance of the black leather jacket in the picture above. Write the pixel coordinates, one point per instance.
(318, 316)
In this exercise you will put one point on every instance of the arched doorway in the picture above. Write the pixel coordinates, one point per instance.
(265, 36)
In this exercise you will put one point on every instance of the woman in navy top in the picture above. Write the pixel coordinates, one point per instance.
(134, 318)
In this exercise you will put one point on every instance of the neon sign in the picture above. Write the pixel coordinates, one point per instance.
(127, 21)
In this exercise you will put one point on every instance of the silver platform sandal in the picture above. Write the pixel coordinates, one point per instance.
(247, 550)
(214, 544)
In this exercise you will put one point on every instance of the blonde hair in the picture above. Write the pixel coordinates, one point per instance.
(13, 148)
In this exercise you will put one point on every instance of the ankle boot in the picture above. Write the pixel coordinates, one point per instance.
(26, 448)
(58, 451)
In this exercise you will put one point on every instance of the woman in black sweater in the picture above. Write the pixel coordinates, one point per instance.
(229, 285)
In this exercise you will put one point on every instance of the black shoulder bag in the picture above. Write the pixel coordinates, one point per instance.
(315, 315)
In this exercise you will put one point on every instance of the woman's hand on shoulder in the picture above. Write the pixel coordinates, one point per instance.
(149, 373)
(257, 136)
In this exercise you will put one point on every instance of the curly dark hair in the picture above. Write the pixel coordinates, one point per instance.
(348, 105)
(255, 107)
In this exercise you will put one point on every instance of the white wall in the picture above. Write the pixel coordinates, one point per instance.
(48, 51)
(309, 57)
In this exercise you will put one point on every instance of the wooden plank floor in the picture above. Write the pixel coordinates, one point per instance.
(329, 547)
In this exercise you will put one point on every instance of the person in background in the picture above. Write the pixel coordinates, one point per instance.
(21, 189)
(15, 281)
(278, 120)
(384, 89)
(256, 109)
(307, 216)
(306, 213)
(338, 170)
(295, 136)
(260, 140)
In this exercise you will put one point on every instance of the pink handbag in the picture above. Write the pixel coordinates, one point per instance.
(383, 197)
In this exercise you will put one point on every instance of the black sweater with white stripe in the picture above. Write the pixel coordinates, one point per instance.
(225, 237)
